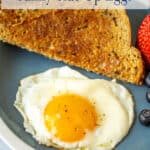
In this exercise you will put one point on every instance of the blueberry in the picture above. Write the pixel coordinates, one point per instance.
(148, 95)
(144, 117)
(147, 80)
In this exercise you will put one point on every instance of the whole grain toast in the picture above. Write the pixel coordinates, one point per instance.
(96, 40)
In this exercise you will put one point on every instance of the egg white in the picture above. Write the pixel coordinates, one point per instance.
(109, 98)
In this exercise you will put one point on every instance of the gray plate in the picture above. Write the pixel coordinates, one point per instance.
(16, 64)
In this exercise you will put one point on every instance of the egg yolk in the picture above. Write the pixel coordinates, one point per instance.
(69, 117)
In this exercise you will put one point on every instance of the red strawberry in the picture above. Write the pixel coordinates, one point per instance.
(143, 39)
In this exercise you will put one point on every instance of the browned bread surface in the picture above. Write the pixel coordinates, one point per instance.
(14, 17)
(96, 40)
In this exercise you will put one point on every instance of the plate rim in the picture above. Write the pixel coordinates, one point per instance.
(10, 139)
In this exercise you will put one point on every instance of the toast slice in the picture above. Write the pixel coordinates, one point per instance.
(96, 40)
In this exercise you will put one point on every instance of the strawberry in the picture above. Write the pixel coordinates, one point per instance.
(143, 40)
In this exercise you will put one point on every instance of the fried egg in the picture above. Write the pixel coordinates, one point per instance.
(65, 109)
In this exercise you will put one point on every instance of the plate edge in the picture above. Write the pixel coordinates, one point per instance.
(11, 139)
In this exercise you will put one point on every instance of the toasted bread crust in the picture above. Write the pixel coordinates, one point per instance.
(96, 40)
